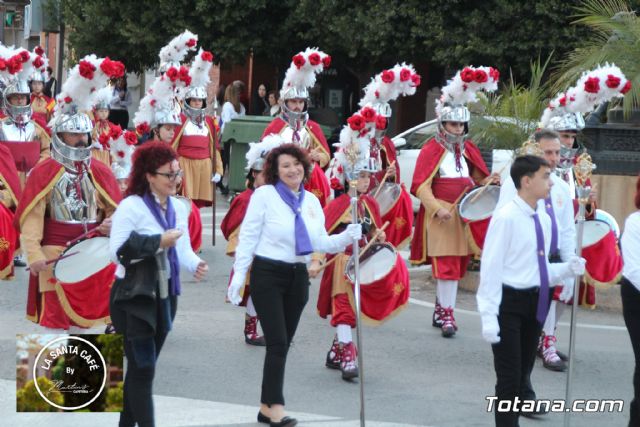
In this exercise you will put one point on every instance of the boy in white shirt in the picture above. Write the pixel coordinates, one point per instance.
(515, 276)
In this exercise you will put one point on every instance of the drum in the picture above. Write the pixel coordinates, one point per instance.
(476, 210)
(594, 231)
(609, 219)
(387, 197)
(376, 263)
(474, 207)
(82, 260)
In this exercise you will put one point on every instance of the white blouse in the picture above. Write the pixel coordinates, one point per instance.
(268, 230)
(630, 242)
(132, 214)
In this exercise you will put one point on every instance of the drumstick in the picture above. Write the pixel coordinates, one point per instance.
(384, 178)
(51, 261)
(365, 247)
(82, 236)
(485, 186)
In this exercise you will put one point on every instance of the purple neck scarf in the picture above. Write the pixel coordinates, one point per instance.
(303, 243)
(166, 223)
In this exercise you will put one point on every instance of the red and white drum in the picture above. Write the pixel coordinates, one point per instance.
(601, 251)
(385, 281)
(387, 195)
(82, 260)
(476, 209)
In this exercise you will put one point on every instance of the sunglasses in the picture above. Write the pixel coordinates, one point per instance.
(172, 176)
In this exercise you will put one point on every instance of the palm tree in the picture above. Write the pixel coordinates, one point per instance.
(521, 105)
(614, 31)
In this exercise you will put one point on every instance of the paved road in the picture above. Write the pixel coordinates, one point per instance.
(208, 376)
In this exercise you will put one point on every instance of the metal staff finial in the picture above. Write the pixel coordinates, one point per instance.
(582, 170)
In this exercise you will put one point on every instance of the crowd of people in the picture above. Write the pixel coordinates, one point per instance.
(72, 172)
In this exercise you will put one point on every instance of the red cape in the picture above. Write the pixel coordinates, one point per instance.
(388, 155)
(44, 176)
(9, 174)
(236, 212)
(314, 129)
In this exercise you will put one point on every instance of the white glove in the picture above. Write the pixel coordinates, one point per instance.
(233, 293)
(567, 292)
(354, 231)
(490, 329)
(576, 265)
(216, 178)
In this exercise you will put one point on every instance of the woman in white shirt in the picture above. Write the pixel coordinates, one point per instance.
(149, 241)
(630, 291)
(283, 225)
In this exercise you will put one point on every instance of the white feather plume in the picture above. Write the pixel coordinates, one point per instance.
(261, 149)
(199, 70)
(403, 83)
(305, 76)
(604, 82)
(461, 92)
(178, 48)
(160, 96)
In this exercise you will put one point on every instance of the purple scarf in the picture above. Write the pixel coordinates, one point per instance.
(166, 223)
(303, 243)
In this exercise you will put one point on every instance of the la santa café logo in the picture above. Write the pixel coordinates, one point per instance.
(84, 378)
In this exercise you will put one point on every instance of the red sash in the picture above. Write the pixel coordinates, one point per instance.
(57, 233)
(194, 147)
(449, 189)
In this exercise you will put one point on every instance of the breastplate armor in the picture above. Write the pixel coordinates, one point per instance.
(73, 199)
(305, 138)
(191, 128)
(448, 167)
(9, 131)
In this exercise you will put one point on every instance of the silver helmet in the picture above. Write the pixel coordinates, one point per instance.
(567, 122)
(196, 115)
(64, 154)
(101, 104)
(452, 113)
(166, 116)
(37, 76)
(567, 156)
(18, 113)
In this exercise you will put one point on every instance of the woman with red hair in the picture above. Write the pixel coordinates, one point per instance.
(149, 241)
(630, 291)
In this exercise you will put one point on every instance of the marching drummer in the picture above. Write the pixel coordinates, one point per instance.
(447, 167)
(385, 87)
(380, 299)
(52, 211)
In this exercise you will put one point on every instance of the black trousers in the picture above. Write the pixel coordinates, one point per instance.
(514, 356)
(279, 292)
(631, 312)
(142, 355)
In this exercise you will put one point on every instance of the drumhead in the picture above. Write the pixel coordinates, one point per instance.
(387, 196)
(594, 231)
(92, 256)
(482, 207)
(609, 219)
(375, 264)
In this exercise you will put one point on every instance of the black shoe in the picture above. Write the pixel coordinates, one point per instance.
(562, 356)
(263, 418)
(110, 329)
(284, 422)
(18, 262)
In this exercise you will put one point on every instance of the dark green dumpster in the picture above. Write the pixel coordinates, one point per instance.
(239, 133)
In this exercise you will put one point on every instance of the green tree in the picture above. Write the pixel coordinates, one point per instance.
(112, 348)
(29, 400)
(614, 37)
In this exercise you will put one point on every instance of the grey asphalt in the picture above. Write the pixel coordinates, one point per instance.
(208, 376)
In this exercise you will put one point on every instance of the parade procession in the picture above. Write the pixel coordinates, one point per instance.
(414, 243)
